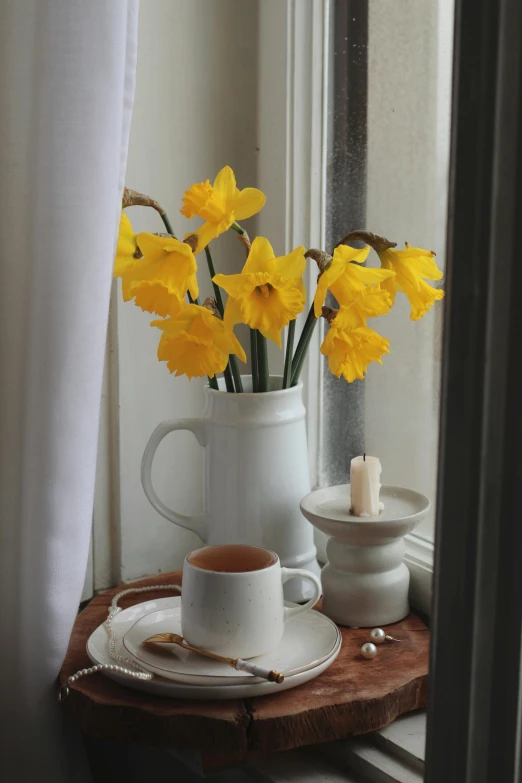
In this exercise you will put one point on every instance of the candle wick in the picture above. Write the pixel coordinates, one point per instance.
(364, 457)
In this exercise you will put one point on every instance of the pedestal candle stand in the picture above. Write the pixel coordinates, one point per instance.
(365, 582)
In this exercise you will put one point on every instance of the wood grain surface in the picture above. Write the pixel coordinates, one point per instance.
(353, 696)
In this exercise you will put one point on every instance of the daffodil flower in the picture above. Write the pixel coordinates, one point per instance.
(268, 293)
(196, 343)
(127, 253)
(220, 205)
(350, 351)
(344, 278)
(370, 302)
(412, 267)
(160, 280)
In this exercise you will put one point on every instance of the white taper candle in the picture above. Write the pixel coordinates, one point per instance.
(365, 484)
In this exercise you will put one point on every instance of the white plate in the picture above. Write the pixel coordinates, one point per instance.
(309, 639)
(98, 652)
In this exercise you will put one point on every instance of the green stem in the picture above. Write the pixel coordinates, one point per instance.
(212, 382)
(221, 308)
(235, 225)
(217, 290)
(167, 223)
(262, 354)
(232, 361)
(255, 363)
(302, 346)
(228, 380)
(288, 357)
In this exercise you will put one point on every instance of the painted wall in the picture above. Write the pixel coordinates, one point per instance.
(195, 111)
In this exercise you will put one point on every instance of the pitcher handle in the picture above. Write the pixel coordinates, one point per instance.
(197, 427)
(290, 573)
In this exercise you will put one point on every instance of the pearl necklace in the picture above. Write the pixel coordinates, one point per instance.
(137, 672)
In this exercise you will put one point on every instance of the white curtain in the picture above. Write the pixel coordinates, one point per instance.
(67, 70)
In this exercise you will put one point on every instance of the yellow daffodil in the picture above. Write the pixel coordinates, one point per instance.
(220, 205)
(127, 252)
(268, 293)
(160, 280)
(344, 278)
(350, 351)
(371, 302)
(196, 343)
(412, 267)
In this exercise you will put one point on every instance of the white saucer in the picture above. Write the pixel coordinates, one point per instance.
(309, 639)
(98, 652)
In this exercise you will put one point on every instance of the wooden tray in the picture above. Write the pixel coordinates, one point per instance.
(353, 696)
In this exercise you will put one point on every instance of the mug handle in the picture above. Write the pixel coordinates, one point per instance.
(290, 573)
(197, 427)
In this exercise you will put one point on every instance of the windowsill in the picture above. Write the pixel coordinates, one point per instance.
(419, 559)
(394, 754)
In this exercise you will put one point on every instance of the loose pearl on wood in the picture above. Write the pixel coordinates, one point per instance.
(377, 636)
(368, 650)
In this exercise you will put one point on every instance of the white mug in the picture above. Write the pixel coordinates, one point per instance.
(232, 599)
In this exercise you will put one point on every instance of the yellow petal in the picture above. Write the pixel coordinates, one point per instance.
(348, 253)
(126, 238)
(173, 327)
(330, 275)
(206, 233)
(320, 294)
(421, 297)
(292, 265)
(227, 342)
(126, 248)
(235, 285)
(260, 258)
(225, 185)
(390, 285)
(249, 202)
(272, 333)
(192, 286)
(232, 314)
(422, 260)
(354, 279)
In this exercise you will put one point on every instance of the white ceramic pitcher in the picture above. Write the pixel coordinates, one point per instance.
(256, 472)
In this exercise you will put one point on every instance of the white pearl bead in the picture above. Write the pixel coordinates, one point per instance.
(368, 650)
(377, 636)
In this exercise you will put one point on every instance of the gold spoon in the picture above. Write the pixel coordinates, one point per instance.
(236, 663)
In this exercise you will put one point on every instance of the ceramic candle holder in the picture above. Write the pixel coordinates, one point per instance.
(365, 582)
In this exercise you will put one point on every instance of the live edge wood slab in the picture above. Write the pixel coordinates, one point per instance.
(353, 696)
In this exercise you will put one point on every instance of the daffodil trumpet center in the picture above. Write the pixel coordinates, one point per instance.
(265, 289)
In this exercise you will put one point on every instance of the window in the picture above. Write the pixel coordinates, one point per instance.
(390, 68)
(341, 130)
